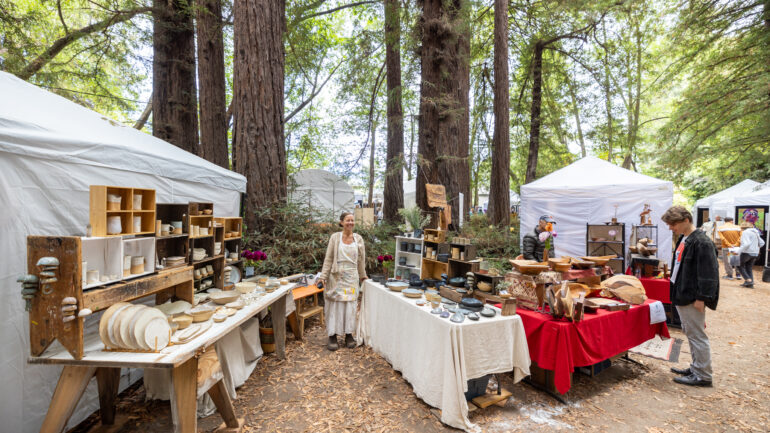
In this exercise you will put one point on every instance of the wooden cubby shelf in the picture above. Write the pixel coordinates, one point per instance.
(100, 210)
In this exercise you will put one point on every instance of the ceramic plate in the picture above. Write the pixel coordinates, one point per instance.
(412, 293)
(157, 334)
(120, 327)
(104, 321)
(111, 326)
(141, 324)
(235, 275)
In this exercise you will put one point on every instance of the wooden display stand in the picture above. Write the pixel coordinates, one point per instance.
(433, 269)
(468, 251)
(458, 268)
(99, 210)
(232, 242)
(45, 316)
(173, 245)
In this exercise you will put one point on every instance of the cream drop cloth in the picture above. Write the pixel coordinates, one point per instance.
(437, 356)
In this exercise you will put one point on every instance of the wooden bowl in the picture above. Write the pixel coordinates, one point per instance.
(484, 286)
(599, 260)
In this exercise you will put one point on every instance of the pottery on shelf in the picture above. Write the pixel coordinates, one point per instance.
(114, 226)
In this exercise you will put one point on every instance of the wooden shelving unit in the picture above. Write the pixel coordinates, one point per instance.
(458, 268)
(232, 241)
(99, 211)
(599, 242)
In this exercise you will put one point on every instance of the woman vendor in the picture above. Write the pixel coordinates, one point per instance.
(342, 273)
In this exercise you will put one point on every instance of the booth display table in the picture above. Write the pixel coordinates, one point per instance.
(195, 369)
(437, 356)
(561, 345)
(657, 288)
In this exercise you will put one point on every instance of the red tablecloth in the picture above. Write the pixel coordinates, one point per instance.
(561, 345)
(656, 288)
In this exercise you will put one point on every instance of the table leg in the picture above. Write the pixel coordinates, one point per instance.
(279, 326)
(184, 379)
(108, 379)
(72, 383)
(224, 405)
(294, 324)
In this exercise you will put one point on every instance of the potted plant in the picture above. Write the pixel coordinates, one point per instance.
(251, 260)
(415, 221)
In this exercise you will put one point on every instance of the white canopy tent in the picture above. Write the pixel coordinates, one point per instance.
(51, 151)
(721, 203)
(587, 191)
(759, 197)
(322, 190)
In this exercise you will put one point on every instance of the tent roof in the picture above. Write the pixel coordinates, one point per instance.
(589, 173)
(760, 196)
(744, 187)
(38, 123)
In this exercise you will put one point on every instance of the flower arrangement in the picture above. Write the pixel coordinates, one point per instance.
(387, 263)
(547, 237)
(252, 258)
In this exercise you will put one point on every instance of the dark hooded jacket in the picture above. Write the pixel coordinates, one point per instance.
(698, 275)
(532, 248)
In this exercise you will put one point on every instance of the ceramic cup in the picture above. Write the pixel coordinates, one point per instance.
(126, 265)
(234, 256)
(114, 227)
(113, 202)
(204, 231)
(137, 264)
(92, 276)
(137, 224)
(137, 201)
(176, 227)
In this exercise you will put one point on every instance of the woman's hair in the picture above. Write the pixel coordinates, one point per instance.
(676, 214)
(342, 217)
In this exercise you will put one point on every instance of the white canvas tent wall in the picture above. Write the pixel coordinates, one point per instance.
(760, 196)
(323, 190)
(51, 150)
(410, 191)
(586, 192)
(721, 203)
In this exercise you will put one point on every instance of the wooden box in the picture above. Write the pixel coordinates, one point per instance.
(434, 235)
(491, 279)
(433, 269)
(168, 212)
(200, 208)
(144, 247)
(458, 268)
(103, 254)
(231, 226)
(469, 251)
(99, 210)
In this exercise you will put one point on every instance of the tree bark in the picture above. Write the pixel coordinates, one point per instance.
(576, 113)
(372, 150)
(145, 115)
(211, 73)
(258, 76)
(174, 101)
(607, 94)
(443, 137)
(499, 212)
(534, 122)
(393, 195)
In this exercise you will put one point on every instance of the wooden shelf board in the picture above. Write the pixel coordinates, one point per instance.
(435, 261)
(237, 238)
(163, 238)
(201, 237)
(208, 259)
(119, 211)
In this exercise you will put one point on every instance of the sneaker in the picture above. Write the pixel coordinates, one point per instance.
(748, 284)
(681, 371)
(728, 277)
(333, 343)
(692, 380)
(738, 277)
(350, 342)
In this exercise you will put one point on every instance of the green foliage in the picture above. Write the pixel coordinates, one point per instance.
(495, 244)
(414, 218)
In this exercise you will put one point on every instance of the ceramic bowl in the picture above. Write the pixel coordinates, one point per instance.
(173, 308)
(183, 320)
(224, 297)
(201, 313)
(245, 287)
(396, 286)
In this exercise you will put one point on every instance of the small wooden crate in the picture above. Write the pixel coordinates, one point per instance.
(468, 251)
(436, 236)
(458, 268)
(99, 213)
(231, 226)
(433, 269)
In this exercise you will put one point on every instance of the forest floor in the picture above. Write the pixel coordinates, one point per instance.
(356, 390)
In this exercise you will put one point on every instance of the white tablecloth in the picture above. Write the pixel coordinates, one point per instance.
(437, 356)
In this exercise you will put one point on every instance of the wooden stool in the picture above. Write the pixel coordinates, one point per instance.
(303, 312)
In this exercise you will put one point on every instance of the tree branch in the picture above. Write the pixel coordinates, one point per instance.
(145, 115)
(60, 44)
(330, 11)
(306, 101)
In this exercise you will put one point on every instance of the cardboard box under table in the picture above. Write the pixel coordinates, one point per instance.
(436, 356)
(559, 345)
(194, 366)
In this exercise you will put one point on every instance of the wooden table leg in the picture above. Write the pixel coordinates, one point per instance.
(279, 326)
(184, 380)
(72, 383)
(218, 394)
(108, 379)
(294, 324)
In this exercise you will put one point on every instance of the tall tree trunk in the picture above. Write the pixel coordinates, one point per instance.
(443, 136)
(372, 151)
(576, 113)
(393, 196)
(499, 189)
(174, 101)
(409, 165)
(534, 122)
(211, 73)
(634, 102)
(258, 74)
(607, 94)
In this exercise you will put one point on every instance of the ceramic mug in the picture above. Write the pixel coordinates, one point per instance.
(92, 276)
(113, 202)
(114, 227)
(137, 202)
(137, 224)
(234, 256)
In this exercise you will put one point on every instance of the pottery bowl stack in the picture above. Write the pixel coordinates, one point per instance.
(134, 327)
(217, 248)
(245, 287)
(174, 261)
(201, 313)
(199, 254)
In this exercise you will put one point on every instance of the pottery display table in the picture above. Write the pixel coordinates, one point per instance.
(437, 356)
(559, 345)
(195, 369)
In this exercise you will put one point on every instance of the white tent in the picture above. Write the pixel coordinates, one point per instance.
(760, 196)
(410, 191)
(587, 192)
(323, 190)
(721, 203)
(51, 150)
(513, 198)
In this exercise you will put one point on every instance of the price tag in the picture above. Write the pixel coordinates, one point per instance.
(657, 313)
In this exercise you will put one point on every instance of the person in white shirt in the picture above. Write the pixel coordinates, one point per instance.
(751, 242)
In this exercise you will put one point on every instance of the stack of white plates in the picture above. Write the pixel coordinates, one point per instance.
(199, 254)
(217, 248)
(134, 327)
(174, 261)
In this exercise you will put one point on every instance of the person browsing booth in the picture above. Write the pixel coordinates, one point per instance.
(534, 242)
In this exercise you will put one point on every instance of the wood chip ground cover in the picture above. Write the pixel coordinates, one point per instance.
(314, 390)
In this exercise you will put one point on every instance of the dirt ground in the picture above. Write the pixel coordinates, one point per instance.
(356, 390)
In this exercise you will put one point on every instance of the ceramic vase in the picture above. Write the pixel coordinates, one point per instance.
(249, 271)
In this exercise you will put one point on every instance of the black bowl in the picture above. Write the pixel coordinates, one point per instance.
(431, 282)
(472, 304)
(457, 281)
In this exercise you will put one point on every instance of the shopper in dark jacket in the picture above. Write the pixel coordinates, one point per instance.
(694, 286)
(532, 247)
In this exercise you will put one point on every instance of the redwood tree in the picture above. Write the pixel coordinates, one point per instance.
(258, 73)
(443, 138)
(499, 195)
(174, 100)
(211, 73)
(394, 187)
